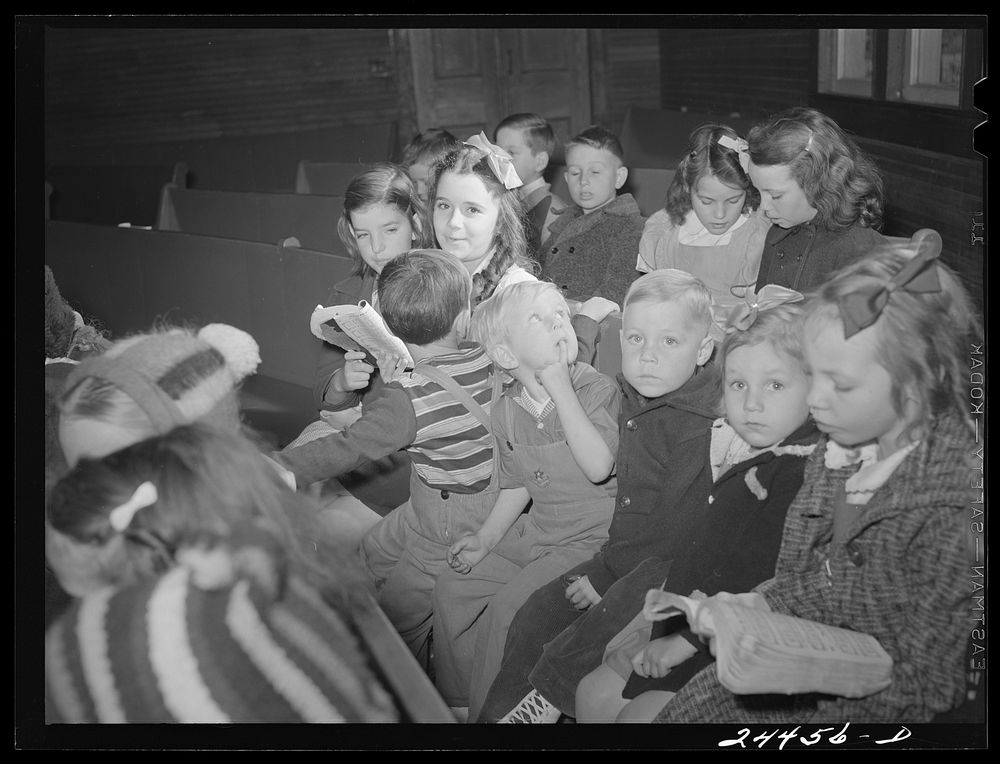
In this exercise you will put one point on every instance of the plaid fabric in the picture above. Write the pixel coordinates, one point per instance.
(901, 574)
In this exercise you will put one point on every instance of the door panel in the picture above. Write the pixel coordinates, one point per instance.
(467, 80)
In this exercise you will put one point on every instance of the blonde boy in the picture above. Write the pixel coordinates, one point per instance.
(556, 430)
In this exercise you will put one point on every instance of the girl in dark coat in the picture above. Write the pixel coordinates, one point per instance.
(822, 193)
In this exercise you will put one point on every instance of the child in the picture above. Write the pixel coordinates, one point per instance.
(476, 216)
(143, 386)
(759, 452)
(821, 192)
(530, 141)
(215, 600)
(382, 218)
(557, 434)
(422, 153)
(439, 414)
(591, 246)
(670, 397)
(877, 540)
(709, 227)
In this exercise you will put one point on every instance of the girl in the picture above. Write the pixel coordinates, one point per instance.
(476, 216)
(758, 455)
(381, 219)
(421, 154)
(877, 540)
(710, 226)
(216, 610)
(143, 386)
(821, 192)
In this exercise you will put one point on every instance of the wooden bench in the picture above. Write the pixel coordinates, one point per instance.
(330, 178)
(659, 137)
(252, 216)
(129, 278)
(110, 194)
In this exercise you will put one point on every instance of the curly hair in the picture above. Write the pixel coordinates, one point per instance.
(706, 157)
(838, 178)
(382, 183)
(509, 244)
(921, 339)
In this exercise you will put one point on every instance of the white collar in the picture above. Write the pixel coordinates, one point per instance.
(538, 182)
(873, 471)
(693, 233)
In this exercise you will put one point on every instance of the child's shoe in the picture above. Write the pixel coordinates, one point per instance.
(533, 709)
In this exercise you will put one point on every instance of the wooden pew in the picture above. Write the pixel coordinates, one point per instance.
(129, 278)
(659, 137)
(252, 216)
(330, 178)
(110, 194)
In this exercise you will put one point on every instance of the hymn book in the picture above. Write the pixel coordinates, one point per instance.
(358, 327)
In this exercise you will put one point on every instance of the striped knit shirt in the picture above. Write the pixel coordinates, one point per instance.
(452, 450)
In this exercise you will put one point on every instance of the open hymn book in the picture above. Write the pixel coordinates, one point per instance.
(759, 651)
(358, 327)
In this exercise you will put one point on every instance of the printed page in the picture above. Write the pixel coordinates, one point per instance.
(358, 327)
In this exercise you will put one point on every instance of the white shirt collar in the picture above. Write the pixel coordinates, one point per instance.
(694, 234)
(527, 188)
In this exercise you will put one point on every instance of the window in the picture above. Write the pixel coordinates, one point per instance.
(908, 86)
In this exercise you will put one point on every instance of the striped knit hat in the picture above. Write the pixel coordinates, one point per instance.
(169, 650)
(175, 376)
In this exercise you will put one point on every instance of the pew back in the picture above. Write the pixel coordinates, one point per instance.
(330, 178)
(252, 216)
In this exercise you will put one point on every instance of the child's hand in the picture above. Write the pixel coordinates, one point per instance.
(598, 308)
(582, 593)
(555, 376)
(467, 552)
(661, 655)
(390, 366)
(355, 373)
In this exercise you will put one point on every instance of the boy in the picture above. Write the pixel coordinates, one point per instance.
(670, 397)
(557, 433)
(439, 414)
(529, 139)
(592, 246)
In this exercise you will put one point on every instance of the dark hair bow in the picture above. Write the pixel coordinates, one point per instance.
(861, 309)
(741, 316)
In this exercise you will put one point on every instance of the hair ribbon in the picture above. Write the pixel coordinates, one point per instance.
(121, 516)
(740, 146)
(861, 309)
(499, 160)
(742, 316)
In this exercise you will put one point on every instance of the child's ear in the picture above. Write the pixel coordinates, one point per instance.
(503, 357)
(621, 175)
(462, 321)
(541, 161)
(705, 351)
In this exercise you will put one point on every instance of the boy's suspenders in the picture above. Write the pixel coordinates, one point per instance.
(435, 374)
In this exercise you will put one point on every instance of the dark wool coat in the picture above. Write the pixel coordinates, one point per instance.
(806, 255)
(383, 484)
(594, 254)
(902, 574)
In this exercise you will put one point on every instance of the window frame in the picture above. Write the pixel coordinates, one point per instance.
(932, 127)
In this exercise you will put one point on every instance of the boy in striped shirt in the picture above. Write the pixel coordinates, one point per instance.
(439, 413)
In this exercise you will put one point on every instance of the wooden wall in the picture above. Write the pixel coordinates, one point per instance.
(140, 86)
(757, 72)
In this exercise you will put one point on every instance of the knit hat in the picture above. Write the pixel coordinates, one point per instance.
(176, 376)
(183, 649)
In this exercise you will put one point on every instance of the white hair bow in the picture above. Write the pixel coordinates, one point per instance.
(740, 146)
(500, 161)
(143, 496)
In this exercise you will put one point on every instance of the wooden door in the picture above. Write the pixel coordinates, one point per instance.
(467, 80)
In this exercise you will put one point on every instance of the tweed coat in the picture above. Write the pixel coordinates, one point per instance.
(594, 254)
(901, 574)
